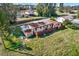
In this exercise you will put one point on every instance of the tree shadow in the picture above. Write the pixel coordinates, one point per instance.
(28, 48)
(0, 43)
(75, 28)
(20, 52)
(31, 37)
(23, 47)
(20, 49)
(20, 46)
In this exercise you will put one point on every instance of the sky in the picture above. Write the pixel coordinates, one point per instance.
(71, 4)
(65, 4)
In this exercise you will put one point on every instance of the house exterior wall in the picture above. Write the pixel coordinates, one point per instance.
(44, 29)
(28, 34)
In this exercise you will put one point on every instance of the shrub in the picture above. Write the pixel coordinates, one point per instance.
(7, 43)
(77, 14)
(16, 45)
(52, 18)
(68, 24)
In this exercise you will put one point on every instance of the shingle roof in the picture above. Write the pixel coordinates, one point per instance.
(39, 24)
(34, 24)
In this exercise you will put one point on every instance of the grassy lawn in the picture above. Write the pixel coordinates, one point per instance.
(29, 19)
(64, 42)
(4, 52)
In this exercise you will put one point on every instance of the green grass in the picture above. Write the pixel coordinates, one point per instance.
(61, 43)
(31, 18)
(64, 42)
(5, 52)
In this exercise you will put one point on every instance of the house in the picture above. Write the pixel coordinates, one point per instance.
(60, 19)
(68, 17)
(25, 13)
(26, 29)
(40, 28)
(63, 18)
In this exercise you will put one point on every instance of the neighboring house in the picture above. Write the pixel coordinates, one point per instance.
(25, 13)
(68, 17)
(40, 28)
(73, 11)
(60, 19)
(63, 18)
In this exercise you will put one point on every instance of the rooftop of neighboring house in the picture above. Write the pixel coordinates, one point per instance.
(63, 18)
(68, 17)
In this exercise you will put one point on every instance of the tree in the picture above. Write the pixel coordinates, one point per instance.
(61, 7)
(46, 9)
(52, 18)
(69, 24)
(45, 12)
(78, 14)
(5, 18)
(52, 9)
(39, 9)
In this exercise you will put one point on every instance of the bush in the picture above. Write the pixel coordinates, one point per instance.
(13, 43)
(78, 14)
(16, 45)
(68, 24)
(7, 43)
(52, 18)
(73, 26)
